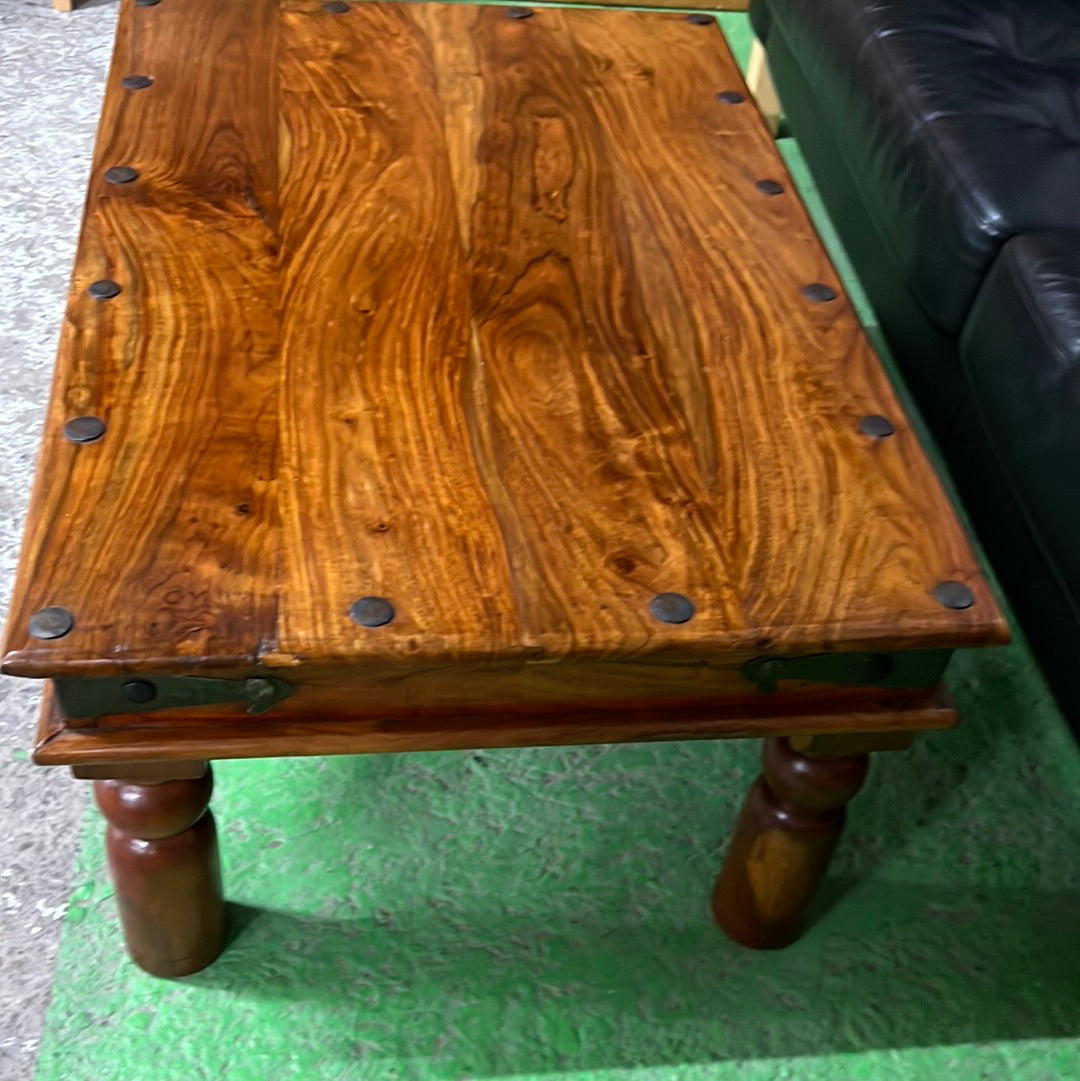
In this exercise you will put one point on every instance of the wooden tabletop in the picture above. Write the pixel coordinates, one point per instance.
(514, 322)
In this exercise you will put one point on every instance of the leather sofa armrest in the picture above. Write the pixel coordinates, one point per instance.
(1020, 351)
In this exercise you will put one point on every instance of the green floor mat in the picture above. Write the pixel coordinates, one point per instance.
(544, 912)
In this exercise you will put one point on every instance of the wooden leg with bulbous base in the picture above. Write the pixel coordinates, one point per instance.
(783, 841)
(163, 855)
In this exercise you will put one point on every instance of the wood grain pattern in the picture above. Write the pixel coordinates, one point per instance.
(659, 5)
(395, 506)
(166, 737)
(784, 839)
(486, 316)
(141, 535)
(721, 5)
(162, 846)
(846, 744)
(141, 772)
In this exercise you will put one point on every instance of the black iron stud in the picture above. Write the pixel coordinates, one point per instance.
(877, 426)
(84, 429)
(700, 19)
(136, 82)
(147, 3)
(372, 611)
(770, 187)
(52, 622)
(672, 608)
(103, 289)
(121, 174)
(139, 691)
(819, 292)
(335, 7)
(953, 595)
(730, 97)
(520, 13)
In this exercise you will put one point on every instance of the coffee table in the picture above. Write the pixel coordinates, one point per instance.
(449, 376)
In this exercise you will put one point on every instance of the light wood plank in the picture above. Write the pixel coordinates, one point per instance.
(760, 81)
(383, 495)
(162, 538)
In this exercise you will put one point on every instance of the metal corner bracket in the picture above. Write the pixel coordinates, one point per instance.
(912, 670)
(86, 699)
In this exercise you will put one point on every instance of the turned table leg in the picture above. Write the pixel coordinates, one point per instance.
(163, 854)
(783, 841)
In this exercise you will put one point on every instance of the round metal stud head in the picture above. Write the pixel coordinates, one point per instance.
(84, 429)
(103, 289)
(672, 608)
(819, 292)
(147, 3)
(136, 82)
(139, 691)
(953, 595)
(730, 97)
(335, 7)
(770, 187)
(52, 622)
(372, 611)
(876, 426)
(121, 174)
(700, 19)
(520, 13)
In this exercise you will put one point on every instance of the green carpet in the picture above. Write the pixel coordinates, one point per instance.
(543, 913)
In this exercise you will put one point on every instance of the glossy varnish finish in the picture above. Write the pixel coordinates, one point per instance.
(155, 742)
(486, 316)
(140, 534)
(162, 846)
(722, 5)
(785, 836)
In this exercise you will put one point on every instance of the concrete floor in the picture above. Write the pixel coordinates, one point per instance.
(52, 70)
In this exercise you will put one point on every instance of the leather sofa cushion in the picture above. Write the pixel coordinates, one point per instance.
(1020, 350)
(959, 121)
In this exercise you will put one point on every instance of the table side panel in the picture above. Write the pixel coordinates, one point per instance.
(296, 736)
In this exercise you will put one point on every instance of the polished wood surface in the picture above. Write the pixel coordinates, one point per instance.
(718, 5)
(142, 771)
(785, 836)
(159, 536)
(700, 5)
(487, 316)
(845, 744)
(163, 855)
(167, 737)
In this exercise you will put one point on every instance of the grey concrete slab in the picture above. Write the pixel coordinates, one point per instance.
(52, 72)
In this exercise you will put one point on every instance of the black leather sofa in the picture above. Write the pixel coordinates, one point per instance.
(944, 136)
